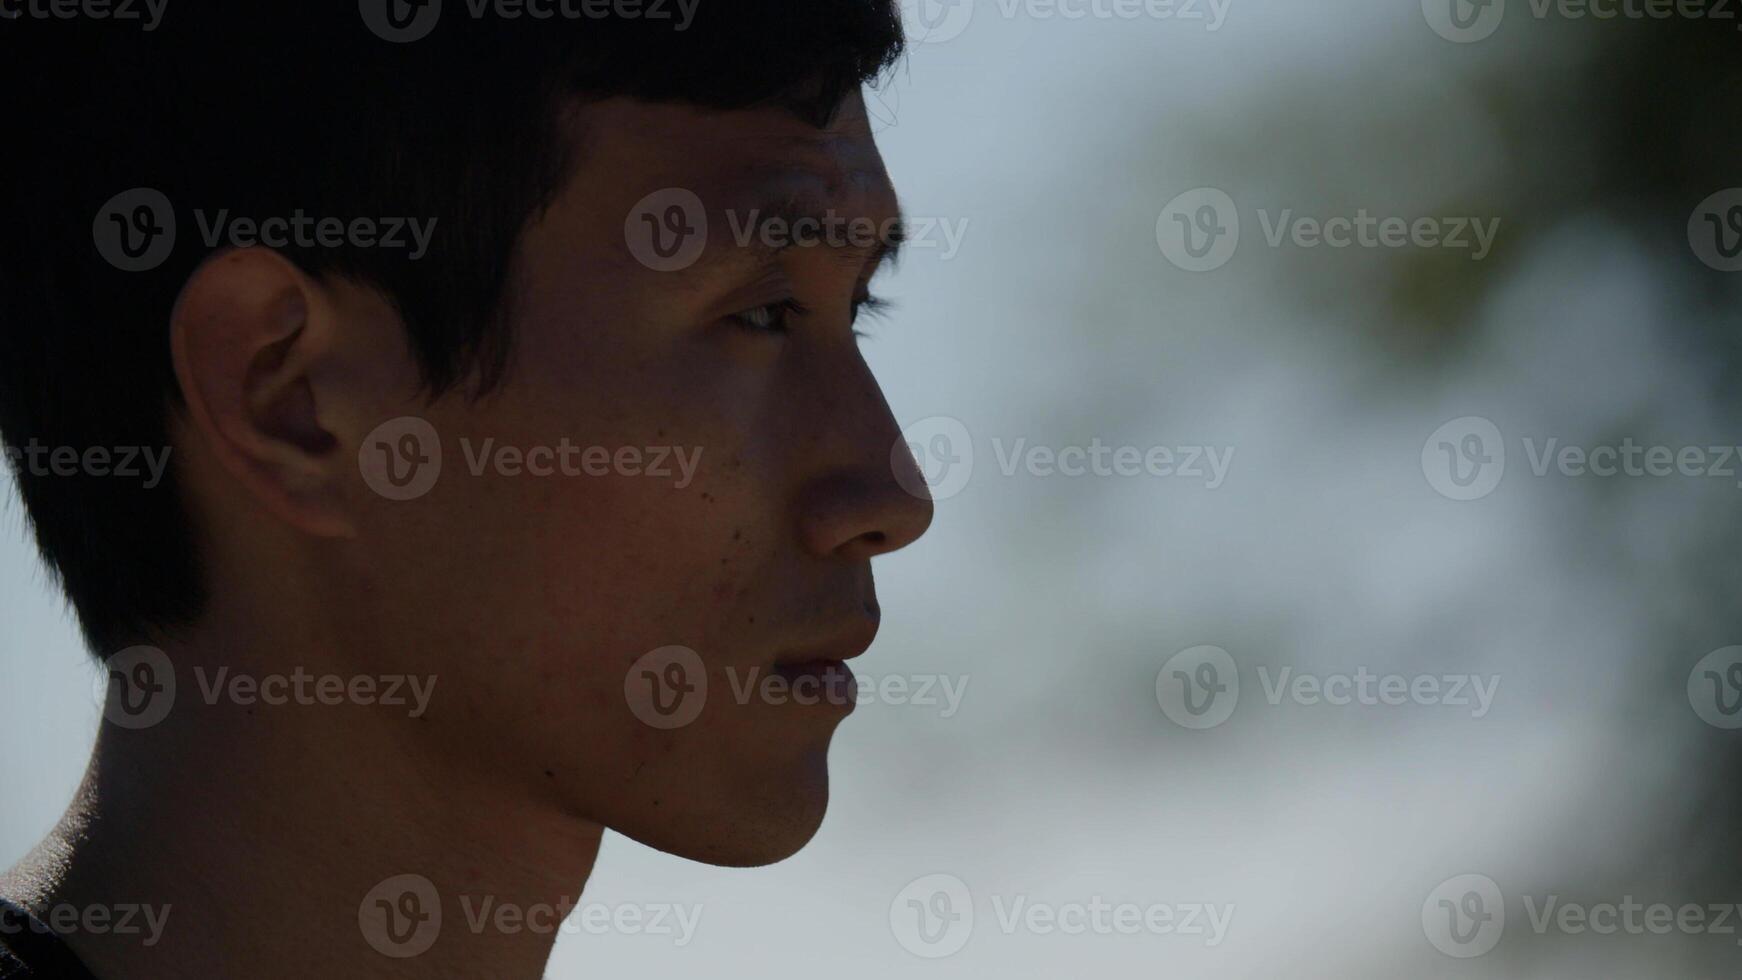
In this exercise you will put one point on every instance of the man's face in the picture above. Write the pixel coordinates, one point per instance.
(717, 474)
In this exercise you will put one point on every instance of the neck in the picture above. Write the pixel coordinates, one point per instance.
(255, 841)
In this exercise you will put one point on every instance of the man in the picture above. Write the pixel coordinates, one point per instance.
(450, 428)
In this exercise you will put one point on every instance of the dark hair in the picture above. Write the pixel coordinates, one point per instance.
(265, 107)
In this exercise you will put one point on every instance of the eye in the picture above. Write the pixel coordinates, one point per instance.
(869, 307)
(769, 318)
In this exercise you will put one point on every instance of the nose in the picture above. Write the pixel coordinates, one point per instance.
(862, 514)
(868, 497)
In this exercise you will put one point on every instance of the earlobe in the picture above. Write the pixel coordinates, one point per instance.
(248, 334)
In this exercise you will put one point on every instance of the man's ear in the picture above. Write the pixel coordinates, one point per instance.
(253, 337)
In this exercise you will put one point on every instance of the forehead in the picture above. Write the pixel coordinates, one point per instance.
(728, 158)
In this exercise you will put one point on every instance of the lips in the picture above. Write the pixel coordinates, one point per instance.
(821, 673)
(829, 682)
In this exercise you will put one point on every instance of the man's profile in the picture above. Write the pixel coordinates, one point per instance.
(449, 432)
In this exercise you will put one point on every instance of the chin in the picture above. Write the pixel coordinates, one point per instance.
(739, 829)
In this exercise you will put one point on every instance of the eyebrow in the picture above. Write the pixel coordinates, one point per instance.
(884, 247)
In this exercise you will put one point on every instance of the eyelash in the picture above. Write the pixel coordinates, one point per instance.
(772, 317)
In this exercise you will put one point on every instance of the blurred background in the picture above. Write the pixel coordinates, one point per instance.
(1395, 683)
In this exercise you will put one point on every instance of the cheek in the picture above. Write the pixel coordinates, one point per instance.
(677, 551)
(622, 564)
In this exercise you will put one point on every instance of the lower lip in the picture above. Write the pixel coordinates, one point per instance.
(818, 683)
